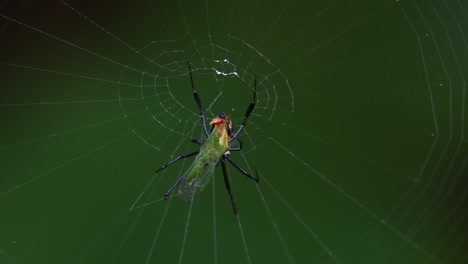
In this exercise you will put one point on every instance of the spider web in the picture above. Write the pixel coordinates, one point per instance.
(358, 133)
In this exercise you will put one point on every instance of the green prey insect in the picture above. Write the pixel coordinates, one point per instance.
(215, 150)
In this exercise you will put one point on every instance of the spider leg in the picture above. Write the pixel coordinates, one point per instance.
(196, 141)
(255, 179)
(228, 186)
(237, 149)
(166, 195)
(249, 110)
(197, 99)
(176, 159)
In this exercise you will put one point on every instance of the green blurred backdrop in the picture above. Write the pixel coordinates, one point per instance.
(358, 133)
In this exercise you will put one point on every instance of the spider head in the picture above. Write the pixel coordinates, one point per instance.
(222, 119)
(223, 123)
(219, 120)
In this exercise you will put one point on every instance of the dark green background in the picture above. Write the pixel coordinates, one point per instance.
(358, 134)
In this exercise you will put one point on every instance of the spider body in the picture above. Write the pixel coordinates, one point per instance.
(202, 169)
(215, 150)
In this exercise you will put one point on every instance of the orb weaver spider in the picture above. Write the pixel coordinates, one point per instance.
(215, 150)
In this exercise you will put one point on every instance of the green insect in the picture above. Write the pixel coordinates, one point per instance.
(216, 149)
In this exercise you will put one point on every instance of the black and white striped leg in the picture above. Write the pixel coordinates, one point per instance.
(228, 186)
(166, 195)
(255, 179)
(176, 159)
(197, 99)
(249, 110)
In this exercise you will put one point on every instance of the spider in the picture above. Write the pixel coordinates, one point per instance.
(215, 150)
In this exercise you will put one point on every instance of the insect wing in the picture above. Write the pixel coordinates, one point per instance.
(196, 179)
